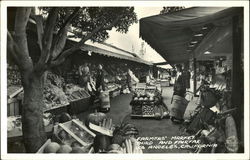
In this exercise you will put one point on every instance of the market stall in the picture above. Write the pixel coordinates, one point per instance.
(199, 35)
(147, 102)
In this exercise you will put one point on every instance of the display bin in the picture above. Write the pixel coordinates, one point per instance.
(79, 105)
(114, 93)
(57, 110)
(165, 83)
(14, 107)
(80, 134)
(41, 150)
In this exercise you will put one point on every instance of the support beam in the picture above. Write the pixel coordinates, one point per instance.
(237, 76)
(195, 76)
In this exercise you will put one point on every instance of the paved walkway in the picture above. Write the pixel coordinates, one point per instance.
(120, 111)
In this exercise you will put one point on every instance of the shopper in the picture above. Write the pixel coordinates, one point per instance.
(100, 79)
(180, 83)
(129, 80)
(179, 103)
(187, 76)
(84, 75)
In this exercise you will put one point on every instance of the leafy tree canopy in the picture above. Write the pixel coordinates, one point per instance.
(89, 18)
(171, 9)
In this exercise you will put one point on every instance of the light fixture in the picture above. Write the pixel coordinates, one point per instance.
(89, 53)
(204, 28)
(194, 42)
(198, 35)
(207, 52)
(191, 45)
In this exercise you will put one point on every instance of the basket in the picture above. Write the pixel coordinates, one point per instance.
(179, 106)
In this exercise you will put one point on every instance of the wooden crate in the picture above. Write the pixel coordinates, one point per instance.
(79, 105)
(14, 107)
(165, 83)
(41, 150)
(66, 127)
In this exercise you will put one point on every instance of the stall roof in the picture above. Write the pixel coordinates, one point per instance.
(171, 34)
(112, 51)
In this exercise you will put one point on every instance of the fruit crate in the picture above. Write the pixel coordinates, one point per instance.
(165, 83)
(141, 112)
(80, 105)
(41, 149)
(73, 131)
(14, 103)
(14, 107)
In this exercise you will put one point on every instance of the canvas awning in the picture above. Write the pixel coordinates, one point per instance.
(109, 50)
(171, 34)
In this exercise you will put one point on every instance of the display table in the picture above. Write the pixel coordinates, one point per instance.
(147, 103)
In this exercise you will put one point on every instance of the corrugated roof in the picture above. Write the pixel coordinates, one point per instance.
(110, 50)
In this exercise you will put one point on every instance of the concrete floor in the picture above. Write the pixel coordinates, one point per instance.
(121, 110)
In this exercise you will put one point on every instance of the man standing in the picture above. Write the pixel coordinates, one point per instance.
(100, 79)
(84, 75)
(178, 109)
(180, 83)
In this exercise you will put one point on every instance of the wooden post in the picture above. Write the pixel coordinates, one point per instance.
(195, 74)
(237, 75)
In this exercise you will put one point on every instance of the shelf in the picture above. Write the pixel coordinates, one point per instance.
(56, 107)
(142, 116)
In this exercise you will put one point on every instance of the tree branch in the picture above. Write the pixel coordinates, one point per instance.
(69, 19)
(39, 25)
(47, 39)
(19, 39)
(12, 48)
(63, 55)
(61, 37)
(67, 52)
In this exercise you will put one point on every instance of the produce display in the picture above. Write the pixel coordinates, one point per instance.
(74, 134)
(82, 134)
(55, 79)
(54, 147)
(70, 88)
(126, 130)
(136, 110)
(54, 96)
(148, 110)
(112, 86)
(15, 122)
(123, 140)
(131, 145)
(76, 95)
(95, 118)
(13, 76)
(147, 102)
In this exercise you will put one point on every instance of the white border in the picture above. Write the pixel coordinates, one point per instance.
(4, 4)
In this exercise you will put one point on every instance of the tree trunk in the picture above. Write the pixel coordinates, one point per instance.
(32, 113)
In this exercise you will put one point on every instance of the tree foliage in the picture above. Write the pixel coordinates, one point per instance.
(90, 18)
(171, 9)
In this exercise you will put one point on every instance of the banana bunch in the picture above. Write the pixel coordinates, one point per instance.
(131, 146)
(107, 123)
